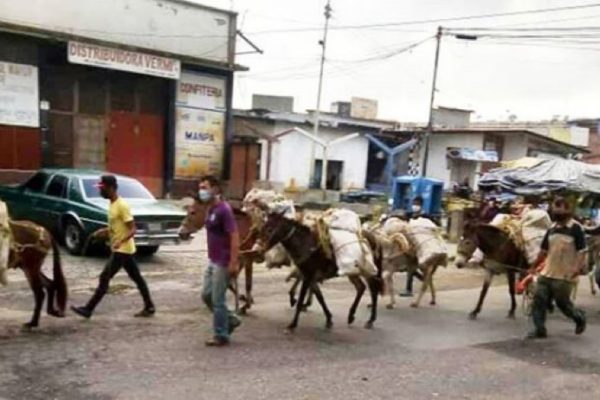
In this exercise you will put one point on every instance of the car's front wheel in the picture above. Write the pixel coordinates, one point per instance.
(74, 237)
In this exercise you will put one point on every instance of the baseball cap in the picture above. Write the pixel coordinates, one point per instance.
(107, 181)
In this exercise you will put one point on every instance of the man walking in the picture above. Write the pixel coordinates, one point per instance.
(120, 231)
(223, 246)
(564, 251)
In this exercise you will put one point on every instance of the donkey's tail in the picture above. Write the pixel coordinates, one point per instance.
(60, 282)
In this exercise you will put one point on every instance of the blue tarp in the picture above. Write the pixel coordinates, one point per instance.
(547, 176)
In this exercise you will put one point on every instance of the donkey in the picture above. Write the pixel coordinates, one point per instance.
(502, 256)
(29, 246)
(305, 249)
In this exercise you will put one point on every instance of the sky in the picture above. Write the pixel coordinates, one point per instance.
(521, 77)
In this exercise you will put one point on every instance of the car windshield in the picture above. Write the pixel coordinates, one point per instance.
(128, 189)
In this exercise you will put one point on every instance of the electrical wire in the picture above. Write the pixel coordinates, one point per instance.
(435, 20)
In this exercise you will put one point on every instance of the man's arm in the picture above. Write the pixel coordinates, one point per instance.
(234, 240)
(581, 247)
(132, 229)
(235, 250)
(542, 255)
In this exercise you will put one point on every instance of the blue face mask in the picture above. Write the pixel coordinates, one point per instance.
(205, 195)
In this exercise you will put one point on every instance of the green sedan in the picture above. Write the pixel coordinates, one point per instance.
(68, 203)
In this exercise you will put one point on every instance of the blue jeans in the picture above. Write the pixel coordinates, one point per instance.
(216, 281)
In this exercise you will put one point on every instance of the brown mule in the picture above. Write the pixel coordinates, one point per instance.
(30, 244)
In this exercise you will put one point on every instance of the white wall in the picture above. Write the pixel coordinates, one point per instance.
(515, 146)
(163, 25)
(438, 166)
(291, 157)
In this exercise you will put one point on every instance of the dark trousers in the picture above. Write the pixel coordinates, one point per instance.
(409, 280)
(114, 264)
(548, 289)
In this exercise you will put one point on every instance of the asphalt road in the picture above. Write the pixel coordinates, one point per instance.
(426, 353)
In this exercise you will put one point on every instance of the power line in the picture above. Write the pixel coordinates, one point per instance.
(437, 20)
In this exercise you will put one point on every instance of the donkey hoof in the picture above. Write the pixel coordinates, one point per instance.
(350, 319)
(432, 303)
(390, 306)
(473, 316)
(57, 314)
(328, 324)
(414, 305)
(29, 326)
(292, 302)
(368, 325)
(511, 316)
(243, 311)
(290, 329)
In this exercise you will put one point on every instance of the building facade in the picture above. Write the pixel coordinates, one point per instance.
(290, 158)
(132, 87)
(456, 155)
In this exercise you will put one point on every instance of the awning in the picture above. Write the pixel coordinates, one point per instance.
(545, 176)
(464, 153)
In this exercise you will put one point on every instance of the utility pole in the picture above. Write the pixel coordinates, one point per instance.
(323, 44)
(429, 131)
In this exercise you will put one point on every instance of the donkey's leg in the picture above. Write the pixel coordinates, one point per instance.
(428, 270)
(307, 282)
(433, 301)
(360, 289)
(247, 298)
(592, 283)
(374, 288)
(51, 291)
(510, 275)
(292, 292)
(487, 281)
(389, 288)
(249, 273)
(319, 295)
(309, 299)
(37, 287)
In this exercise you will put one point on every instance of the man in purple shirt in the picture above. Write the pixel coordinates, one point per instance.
(223, 244)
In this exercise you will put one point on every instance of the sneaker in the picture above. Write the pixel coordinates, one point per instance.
(145, 313)
(82, 312)
(534, 334)
(406, 294)
(580, 325)
(217, 342)
(234, 323)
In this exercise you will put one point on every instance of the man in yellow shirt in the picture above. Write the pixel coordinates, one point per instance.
(120, 231)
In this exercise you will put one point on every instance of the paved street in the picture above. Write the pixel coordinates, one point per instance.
(433, 352)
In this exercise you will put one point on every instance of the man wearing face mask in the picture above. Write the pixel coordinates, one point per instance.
(223, 246)
(120, 231)
(564, 252)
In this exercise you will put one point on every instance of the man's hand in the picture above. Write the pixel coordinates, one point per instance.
(117, 244)
(100, 234)
(234, 268)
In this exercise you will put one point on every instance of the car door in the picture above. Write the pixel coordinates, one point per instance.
(53, 202)
(25, 205)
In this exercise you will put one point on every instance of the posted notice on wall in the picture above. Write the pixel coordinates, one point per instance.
(19, 95)
(199, 142)
(201, 91)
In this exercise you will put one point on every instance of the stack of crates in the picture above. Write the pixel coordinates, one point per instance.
(406, 188)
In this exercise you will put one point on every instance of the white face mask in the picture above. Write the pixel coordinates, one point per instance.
(416, 209)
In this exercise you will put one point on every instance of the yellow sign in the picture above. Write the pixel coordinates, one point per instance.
(199, 142)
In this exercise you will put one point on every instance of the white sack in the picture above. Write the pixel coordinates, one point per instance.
(4, 243)
(352, 255)
(425, 238)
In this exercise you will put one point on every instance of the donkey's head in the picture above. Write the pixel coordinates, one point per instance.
(194, 220)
